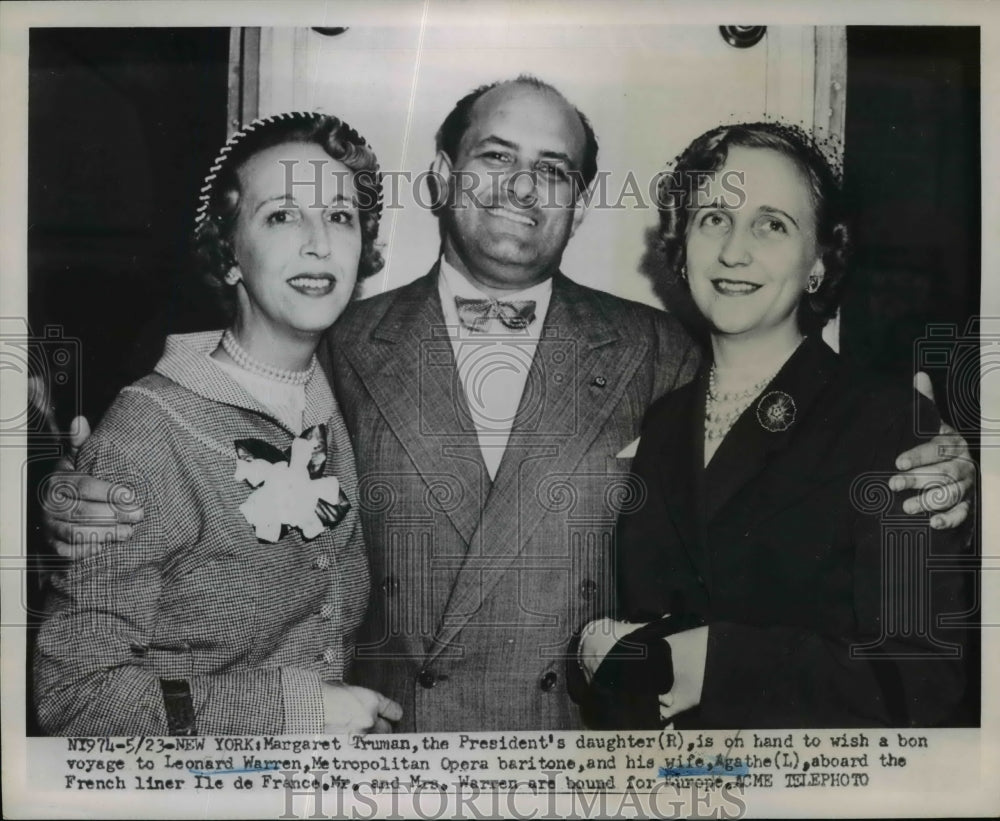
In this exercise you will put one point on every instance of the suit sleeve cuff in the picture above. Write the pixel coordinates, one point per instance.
(302, 697)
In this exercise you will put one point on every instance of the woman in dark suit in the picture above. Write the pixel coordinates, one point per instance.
(798, 593)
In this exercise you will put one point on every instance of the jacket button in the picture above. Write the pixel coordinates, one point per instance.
(321, 562)
(426, 679)
(548, 681)
(328, 611)
(329, 655)
(390, 586)
(588, 587)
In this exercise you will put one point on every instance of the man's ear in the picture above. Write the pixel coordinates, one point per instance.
(440, 176)
(441, 165)
(582, 205)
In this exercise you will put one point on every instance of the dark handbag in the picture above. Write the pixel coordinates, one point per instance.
(625, 690)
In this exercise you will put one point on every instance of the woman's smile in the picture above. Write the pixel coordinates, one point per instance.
(308, 244)
(314, 285)
(735, 287)
(748, 266)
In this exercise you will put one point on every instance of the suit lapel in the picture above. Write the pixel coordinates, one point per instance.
(682, 475)
(768, 425)
(581, 368)
(345, 470)
(408, 366)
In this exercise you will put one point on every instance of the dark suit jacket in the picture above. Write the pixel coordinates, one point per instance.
(780, 546)
(478, 585)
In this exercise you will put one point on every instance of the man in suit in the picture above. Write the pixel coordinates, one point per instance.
(491, 403)
(489, 499)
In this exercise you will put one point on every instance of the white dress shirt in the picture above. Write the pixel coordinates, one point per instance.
(493, 364)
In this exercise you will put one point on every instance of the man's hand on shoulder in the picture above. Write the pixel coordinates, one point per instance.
(941, 469)
(79, 515)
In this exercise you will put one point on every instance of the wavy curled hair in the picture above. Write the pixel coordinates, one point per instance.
(709, 152)
(220, 198)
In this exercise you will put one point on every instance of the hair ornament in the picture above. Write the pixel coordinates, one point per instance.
(208, 186)
(830, 147)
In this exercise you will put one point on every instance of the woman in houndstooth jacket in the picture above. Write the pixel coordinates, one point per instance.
(233, 606)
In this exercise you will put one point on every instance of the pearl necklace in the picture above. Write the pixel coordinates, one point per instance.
(723, 409)
(254, 366)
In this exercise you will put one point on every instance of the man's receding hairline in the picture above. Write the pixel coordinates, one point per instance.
(539, 87)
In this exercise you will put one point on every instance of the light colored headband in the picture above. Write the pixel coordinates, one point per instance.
(208, 184)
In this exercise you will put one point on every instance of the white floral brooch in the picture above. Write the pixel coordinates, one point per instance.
(290, 488)
(776, 411)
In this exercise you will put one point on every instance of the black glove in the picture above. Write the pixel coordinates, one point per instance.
(625, 690)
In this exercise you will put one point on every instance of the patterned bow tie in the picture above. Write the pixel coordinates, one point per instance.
(476, 314)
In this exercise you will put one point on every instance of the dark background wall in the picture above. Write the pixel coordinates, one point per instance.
(912, 173)
(123, 125)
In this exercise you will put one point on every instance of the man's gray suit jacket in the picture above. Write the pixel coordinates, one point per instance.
(478, 585)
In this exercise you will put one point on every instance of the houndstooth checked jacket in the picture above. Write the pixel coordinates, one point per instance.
(253, 627)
